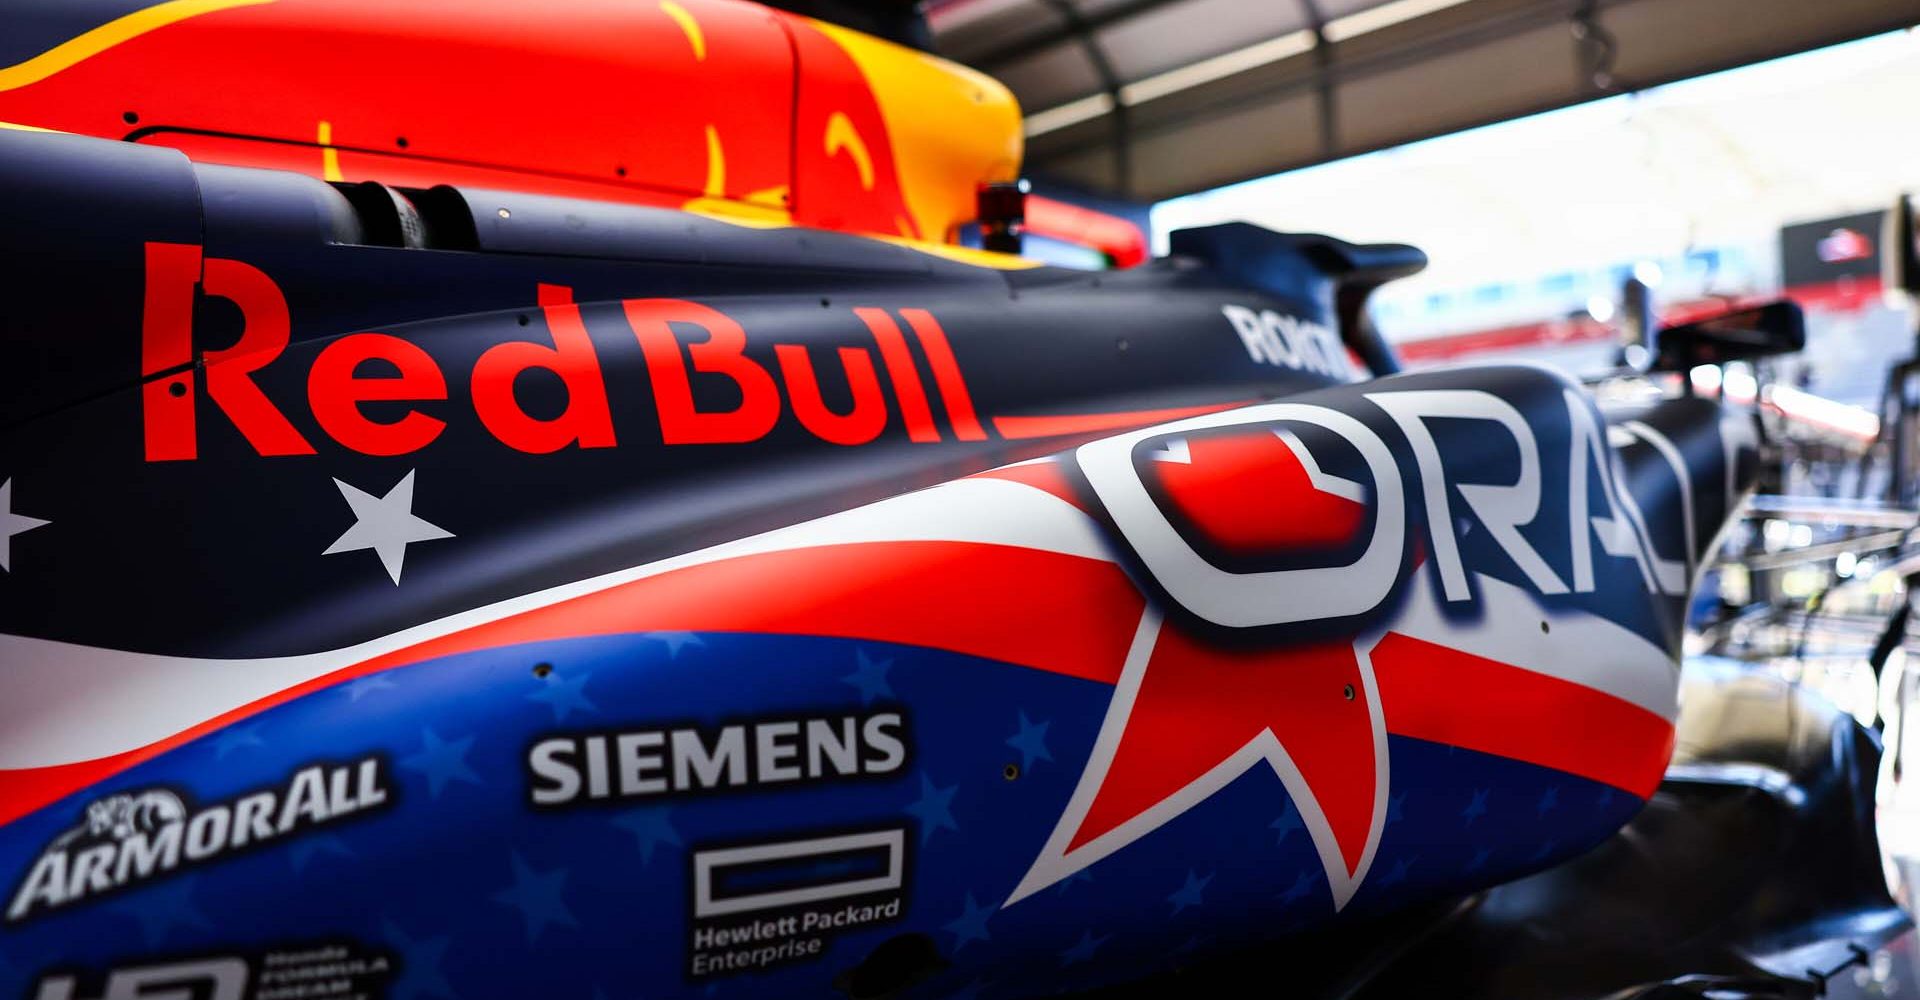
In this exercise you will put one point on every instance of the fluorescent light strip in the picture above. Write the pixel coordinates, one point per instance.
(1071, 113)
(1231, 63)
(1217, 68)
(1386, 15)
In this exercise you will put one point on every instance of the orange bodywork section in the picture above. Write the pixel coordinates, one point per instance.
(716, 106)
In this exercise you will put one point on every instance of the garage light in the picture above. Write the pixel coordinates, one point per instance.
(1386, 15)
(1217, 68)
(1072, 113)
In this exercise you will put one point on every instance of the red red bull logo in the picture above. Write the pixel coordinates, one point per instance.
(678, 338)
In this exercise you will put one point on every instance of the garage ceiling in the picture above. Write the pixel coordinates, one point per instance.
(1155, 98)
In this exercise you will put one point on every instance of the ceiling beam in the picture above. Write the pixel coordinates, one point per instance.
(1067, 32)
(1096, 54)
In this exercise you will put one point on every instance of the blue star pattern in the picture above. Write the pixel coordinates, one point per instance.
(306, 848)
(676, 641)
(441, 761)
(163, 908)
(869, 677)
(1477, 808)
(361, 687)
(564, 694)
(489, 921)
(1189, 894)
(970, 925)
(1399, 872)
(934, 808)
(1083, 950)
(1302, 884)
(971, 991)
(651, 826)
(1031, 741)
(1288, 822)
(420, 974)
(234, 737)
(537, 895)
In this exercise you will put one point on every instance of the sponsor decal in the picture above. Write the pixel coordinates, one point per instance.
(1843, 245)
(681, 341)
(1275, 338)
(578, 768)
(1557, 518)
(1596, 511)
(130, 838)
(761, 905)
(329, 970)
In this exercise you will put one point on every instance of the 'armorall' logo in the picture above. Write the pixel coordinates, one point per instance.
(337, 387)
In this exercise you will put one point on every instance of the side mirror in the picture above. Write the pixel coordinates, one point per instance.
(1774, 328)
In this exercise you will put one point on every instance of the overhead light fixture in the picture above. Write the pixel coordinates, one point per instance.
(1071, 113)
(1217, 68)
(1384, 16)
(1229, 64)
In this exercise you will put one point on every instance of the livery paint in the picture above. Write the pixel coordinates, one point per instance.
(1080, 701)
(1592, 734)
(714, 106)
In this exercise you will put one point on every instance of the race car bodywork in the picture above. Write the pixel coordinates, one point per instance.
(572, 597)
(713, 106)
(479, 518)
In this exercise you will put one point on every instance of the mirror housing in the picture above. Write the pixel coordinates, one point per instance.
(1743, 334)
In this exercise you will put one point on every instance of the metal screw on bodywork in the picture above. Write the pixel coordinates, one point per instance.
(1348, 692)
(1544, 627)
(504, 214)
(1011, 772)
(541, 670)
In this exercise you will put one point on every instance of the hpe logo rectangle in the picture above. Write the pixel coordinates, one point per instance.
(711, 866)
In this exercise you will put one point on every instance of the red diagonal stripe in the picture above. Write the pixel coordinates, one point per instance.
(1432, 692)
(1046, 610)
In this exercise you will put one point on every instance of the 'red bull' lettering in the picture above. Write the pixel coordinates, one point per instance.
(680, 341)
(946, 374)
(337, 390)
(723, 353)
(900, 368)
(586, 420)
(172, 270)
(859, 425)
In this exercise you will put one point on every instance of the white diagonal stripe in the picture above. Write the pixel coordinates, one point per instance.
(67, 702)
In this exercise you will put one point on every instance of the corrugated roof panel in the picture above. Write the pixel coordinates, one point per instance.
(1396, 71)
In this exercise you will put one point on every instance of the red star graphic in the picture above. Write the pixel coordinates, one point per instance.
(1188, 717)
(1198, 706)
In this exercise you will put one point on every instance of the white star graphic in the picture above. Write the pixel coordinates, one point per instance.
(12, 524)
(385, 524)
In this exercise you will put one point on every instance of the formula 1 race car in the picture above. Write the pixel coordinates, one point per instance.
(607, 541)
